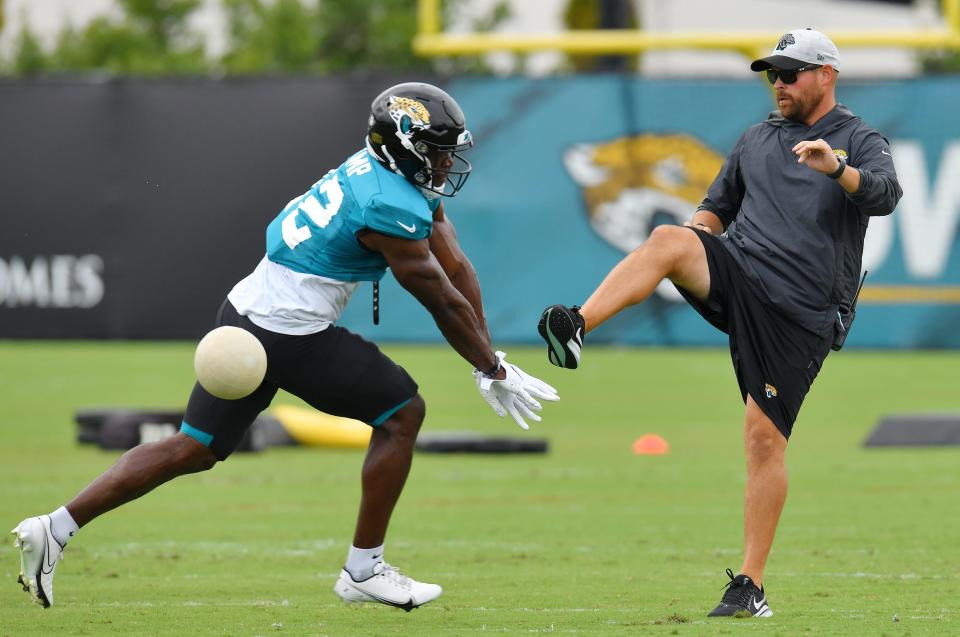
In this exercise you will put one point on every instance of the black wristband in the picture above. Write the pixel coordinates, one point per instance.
(839, 171)
(493, 370)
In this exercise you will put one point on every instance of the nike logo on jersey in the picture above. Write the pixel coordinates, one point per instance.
(883, 152)
(411, 228)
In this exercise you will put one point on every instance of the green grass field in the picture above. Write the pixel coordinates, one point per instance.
(586, 540)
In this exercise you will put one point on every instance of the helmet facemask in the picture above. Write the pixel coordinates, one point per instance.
(431, 172)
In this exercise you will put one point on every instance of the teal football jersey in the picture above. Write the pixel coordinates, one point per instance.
(316, 233)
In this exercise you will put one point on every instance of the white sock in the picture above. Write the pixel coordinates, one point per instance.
(62, 525)
(360, 562)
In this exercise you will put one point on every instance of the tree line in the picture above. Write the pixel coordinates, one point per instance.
(154, 37)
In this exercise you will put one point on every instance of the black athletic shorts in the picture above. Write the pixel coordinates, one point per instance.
(775, 359)
(333, 370)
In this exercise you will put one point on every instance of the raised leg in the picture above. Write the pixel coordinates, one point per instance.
(671, 252)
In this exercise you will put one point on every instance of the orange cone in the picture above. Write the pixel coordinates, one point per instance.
(650, 445)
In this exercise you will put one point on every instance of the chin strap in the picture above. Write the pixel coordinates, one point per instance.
(429, 193)
(387, 157)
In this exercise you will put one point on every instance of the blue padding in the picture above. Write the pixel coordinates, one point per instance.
(382, 418)
(200, 436)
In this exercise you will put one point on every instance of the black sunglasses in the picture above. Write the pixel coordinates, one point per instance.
(789, 77)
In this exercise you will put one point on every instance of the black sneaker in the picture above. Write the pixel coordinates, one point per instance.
(742, 596)
(562, 328)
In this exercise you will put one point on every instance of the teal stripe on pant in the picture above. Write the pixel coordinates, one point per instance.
(382, 418)
(200, 436)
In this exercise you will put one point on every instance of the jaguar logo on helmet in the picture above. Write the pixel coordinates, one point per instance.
(409, 114)
(630, 185)
(785, 41)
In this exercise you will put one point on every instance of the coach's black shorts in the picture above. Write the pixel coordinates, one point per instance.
(775, 360)
(333, 370)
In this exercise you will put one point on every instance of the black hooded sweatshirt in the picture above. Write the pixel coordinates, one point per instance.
(796, 234)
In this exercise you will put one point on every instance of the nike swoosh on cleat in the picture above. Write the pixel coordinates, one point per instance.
(407, 605)
(46, 555)
(758, 608)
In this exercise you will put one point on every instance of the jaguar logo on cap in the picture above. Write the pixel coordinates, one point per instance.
(785, 41)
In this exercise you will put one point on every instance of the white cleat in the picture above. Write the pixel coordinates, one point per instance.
(387, 586)
(39, 554)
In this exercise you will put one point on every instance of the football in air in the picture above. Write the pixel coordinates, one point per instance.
(230, 362)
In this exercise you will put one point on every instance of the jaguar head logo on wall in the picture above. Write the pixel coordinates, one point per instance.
(630, 185)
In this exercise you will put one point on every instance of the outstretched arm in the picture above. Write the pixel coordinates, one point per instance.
(505, 387)
(462, 275)
(419, 272)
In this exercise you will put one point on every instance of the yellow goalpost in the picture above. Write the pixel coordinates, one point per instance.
(431, 41)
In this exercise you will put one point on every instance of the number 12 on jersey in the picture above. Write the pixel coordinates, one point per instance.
(319, 205)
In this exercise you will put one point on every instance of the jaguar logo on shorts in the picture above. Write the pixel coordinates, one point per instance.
(771, 390)
(785, 41)
(630, 185)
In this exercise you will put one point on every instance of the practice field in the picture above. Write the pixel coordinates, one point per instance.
(586, 540)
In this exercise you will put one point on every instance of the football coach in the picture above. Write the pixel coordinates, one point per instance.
(772, 258)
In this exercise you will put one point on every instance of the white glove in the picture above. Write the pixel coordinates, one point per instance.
(516, 394)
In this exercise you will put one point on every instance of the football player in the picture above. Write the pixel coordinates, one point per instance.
(383, 207)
